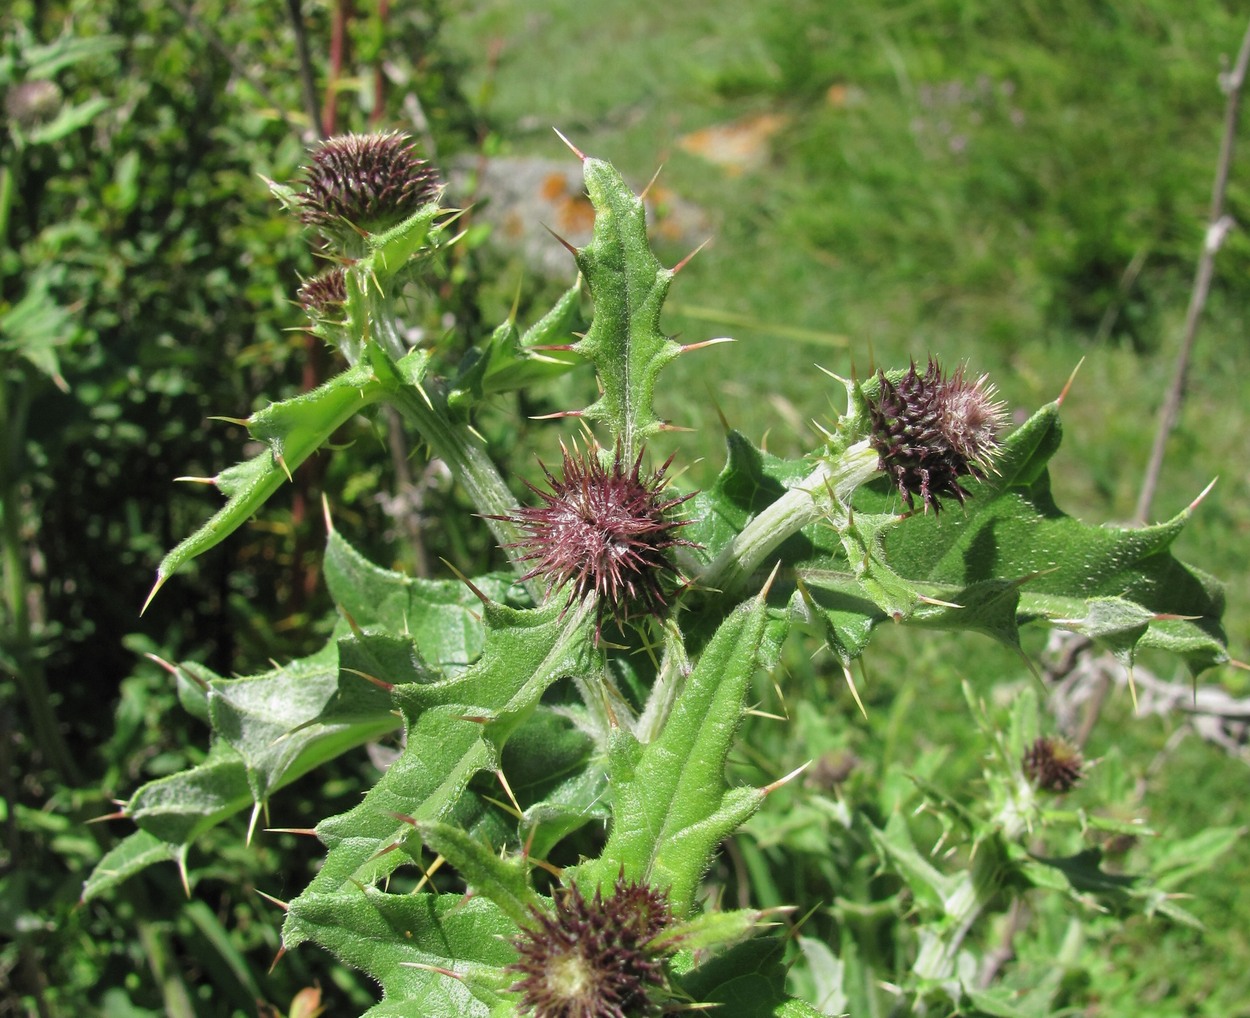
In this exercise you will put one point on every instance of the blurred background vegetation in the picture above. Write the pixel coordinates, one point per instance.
(1019, 186)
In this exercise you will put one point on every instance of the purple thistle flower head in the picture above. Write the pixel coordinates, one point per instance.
(604, 532)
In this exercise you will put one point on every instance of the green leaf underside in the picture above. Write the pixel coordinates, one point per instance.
(627, 285)
(443, 617)
(673, 806)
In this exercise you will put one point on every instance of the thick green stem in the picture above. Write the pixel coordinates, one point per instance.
(458, 446)
(806, 502)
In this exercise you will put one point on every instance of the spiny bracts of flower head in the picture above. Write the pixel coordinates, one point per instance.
(930, 430)
(367, 182)
(592, 959)
(1053, 765)
(324, 294)
(603, 532)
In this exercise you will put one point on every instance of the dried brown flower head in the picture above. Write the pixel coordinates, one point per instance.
(930, 430)
(592, 959)
(1053, 765)
(603, 531)
(367, 182)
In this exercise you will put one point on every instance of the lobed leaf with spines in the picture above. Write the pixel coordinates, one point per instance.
(628, 286)
(673, 806)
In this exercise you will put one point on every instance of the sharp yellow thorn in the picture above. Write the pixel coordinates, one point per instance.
(654, 177)
(767, 789)
(251, 824)
(850, 682)
(160, 582)
(508, 788)
(572, 148)
(182, 870)
(276, 901)
(1068, 385)
(197, 480)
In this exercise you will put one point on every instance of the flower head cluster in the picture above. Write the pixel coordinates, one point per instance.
(593, 959)
(1053, 765)
(929, 430)
(603, 531)
(365, 182)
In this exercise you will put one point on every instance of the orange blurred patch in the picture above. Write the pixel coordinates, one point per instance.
(738, 146)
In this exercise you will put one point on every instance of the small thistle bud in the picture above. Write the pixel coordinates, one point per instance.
(32, 103)
(930, 430)
(1053, 765)
(365, 182)
(324, 294)
(591, 959)
(603, 531)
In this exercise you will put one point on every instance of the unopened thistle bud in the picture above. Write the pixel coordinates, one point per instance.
(593, 959)
(930, 430)
(365, 183)
(1053, 765)
(325, 294)
(603, 532)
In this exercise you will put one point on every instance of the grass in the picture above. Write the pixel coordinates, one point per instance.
(1020, 187)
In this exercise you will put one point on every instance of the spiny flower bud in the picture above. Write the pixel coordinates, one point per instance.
(603, 532)
(1053, 765)
(324, 294)
(930, 430)
(591, 959)
(365, 182)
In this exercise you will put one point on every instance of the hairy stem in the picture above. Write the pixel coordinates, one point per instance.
(803, 504)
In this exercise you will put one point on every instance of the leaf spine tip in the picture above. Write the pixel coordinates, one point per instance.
(572, 148)
(686, 261)
(770, 788)
(285, 906)
(1068, 384)
(161, 577)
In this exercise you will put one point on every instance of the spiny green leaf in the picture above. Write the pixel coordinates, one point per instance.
(293, 430)
(628, 286)
(456, 727)
(136, 852)
(511, 361)
(384, 935)
(674, 807)
(441, 616)
(179, 807)
(505, 880)
(748, 979)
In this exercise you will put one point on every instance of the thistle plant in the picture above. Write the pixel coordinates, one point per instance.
(540, 844)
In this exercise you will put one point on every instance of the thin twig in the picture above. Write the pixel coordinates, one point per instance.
(1218, 225)
(308, 81)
